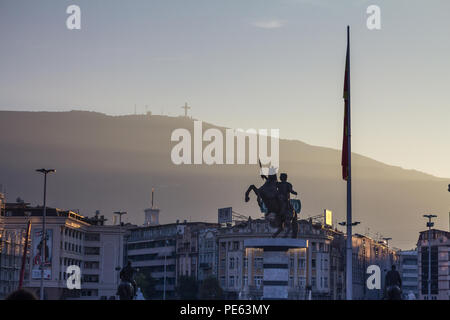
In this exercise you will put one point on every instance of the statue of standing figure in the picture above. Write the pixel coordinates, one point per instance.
(273, 198)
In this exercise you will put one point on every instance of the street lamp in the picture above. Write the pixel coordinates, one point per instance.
(44, 231)
(349, 257)
(345, 223)
(430, 224)
(118, 268)
(165, 268)
(387, 240)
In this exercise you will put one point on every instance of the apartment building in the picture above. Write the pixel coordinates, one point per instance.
(408, 269)
(368, 251)
(440, 268)
(241, 270)
(72, 240)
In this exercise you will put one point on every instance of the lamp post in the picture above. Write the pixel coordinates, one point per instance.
(345, 223)
(44, 231)
(165, 268)
(387, 240)
(349, 257)
(118, 268)
(430, 224)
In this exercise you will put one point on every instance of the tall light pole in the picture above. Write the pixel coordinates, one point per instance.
(44, 231)
(387, 240)
(165, 268)
(429, 225)
(349, 256)
(118, 268)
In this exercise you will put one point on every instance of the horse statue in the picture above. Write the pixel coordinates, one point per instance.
(127, 286)
(273, 200)
(393, 283)
(125, 290)
(393, 293)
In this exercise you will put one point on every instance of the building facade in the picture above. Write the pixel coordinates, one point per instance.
(440, 269)
(188, 252)
(311, 274)
(72, 240)
(367, 252)
(207, 253)
(152, 249)
(409, 271)
(12, 245)
(172, 250)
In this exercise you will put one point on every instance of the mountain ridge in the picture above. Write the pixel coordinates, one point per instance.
(112, 162)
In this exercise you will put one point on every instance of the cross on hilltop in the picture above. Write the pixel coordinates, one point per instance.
(186, 108)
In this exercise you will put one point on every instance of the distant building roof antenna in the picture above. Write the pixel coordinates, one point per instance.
(186, 108)
(120, 214)
(153, 195)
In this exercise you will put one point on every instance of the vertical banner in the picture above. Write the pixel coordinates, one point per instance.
(37, 254)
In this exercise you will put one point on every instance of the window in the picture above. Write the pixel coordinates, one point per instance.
(259, 262)
(91, 250)
(231, 282)
(301, 263)
(92, 237)
(302, 282)
(90, 278)
(258, 281)
(231, 266)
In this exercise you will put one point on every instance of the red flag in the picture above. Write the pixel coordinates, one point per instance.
(345, 153)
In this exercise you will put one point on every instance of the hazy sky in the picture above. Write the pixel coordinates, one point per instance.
(244, 63)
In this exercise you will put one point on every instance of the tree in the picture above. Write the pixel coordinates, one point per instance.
(146, 282)
(210, 289)
(187, 288)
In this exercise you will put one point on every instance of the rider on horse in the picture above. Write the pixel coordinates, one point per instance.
(274, 200)
(127, 274)
(285, 190)
(393, 283)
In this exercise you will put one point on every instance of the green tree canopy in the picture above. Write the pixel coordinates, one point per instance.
(210, 289)
(146, 282)
(187, 288)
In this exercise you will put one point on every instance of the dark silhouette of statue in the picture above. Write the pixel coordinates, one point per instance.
(127, 288)
(21, 294)
(273, 198)
(393, 283)
(285, 188)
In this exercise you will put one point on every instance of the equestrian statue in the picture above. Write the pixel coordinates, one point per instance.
(274, 200)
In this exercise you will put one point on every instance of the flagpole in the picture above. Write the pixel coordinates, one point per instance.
(349, 251)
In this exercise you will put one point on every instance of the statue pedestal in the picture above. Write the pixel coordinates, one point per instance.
(275, 264)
